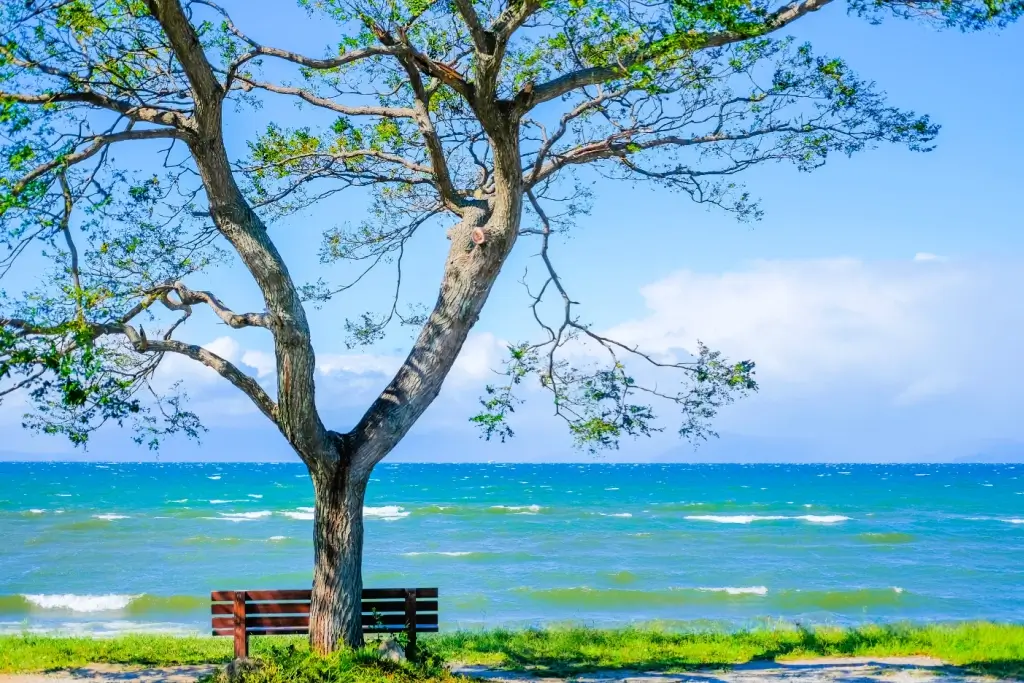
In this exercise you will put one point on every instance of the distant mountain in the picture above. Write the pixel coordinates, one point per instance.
(1004, 452)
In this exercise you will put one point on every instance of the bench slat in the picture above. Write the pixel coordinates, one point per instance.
(396, 593)
(382, 607)
(297, 621)
(256, 596)
(265, 632)
(305, 595)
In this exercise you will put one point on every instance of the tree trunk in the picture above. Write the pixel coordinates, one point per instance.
(335, 615)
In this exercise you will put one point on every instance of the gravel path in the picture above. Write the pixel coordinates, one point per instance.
(846, 670)
(835, 670)
(112, 673)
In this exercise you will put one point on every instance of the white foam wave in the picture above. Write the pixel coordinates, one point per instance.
(747, 519)
(735, 519)
(36, 511)
(742, 590)
(110, 517)
(257, 496)
(616, 514)
(303, 516)
(529, 509)
(242, 516)
(457, 553)
(180, 500)
(214, 477)
(388, 513)
(81, 603)
(1013, 520)
(277, 538)
(823, 519)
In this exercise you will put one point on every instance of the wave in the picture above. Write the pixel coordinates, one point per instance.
(458, 553)
(472, 555)
(747, 519)
(886, 537)
(823, 519)
(516, 509)
(585, 597)
(82, 604)
(616, 514)
(736, 519)
(242, 516)
(732, 590)
(860, 598)
(110, 517)
(299, 515)
(1014, 520)
(388, 513)
(474, 510)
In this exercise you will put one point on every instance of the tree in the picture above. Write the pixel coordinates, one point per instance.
(480, 115)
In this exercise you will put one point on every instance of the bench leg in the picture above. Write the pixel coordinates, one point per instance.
(410, 623)
(241, 633)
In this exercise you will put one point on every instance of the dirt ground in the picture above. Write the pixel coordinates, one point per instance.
(847, 670)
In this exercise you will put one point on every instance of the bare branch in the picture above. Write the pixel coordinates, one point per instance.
(249, 386)
(144, 113)
(99, 142)
(188, 297)
(306, 95)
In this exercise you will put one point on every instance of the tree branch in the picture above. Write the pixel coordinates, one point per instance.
(188, 297)
(99, 142)
(221, 366)
(532, 95)
(388, 112)
(144, 113)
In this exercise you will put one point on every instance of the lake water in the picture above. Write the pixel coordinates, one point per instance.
(112, 547)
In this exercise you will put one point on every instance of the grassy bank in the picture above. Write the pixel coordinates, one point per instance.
(996, 649)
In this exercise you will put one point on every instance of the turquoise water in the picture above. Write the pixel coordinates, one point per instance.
(102, 548)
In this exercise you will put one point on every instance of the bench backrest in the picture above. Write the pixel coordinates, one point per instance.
(279, 612)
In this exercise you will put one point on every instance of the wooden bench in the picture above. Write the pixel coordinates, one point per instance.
(279, 612)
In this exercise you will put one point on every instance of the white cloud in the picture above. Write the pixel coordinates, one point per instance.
(808, 322)
(264, 363)
(225, 347)
(357, 363)
(481, 355)
(926, 256)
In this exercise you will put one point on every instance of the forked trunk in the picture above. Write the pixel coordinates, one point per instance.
(335, 614)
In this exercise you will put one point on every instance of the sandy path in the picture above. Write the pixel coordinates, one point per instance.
(846, 670)
(836, 670)
(112, 673)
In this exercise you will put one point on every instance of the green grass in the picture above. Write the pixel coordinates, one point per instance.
(996, 649)
(39, 653)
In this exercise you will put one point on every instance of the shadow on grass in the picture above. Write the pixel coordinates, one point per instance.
(976, 648)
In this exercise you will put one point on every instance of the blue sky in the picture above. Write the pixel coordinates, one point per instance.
(880, 295)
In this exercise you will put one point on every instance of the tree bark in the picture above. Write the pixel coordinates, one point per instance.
(335, 614)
